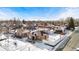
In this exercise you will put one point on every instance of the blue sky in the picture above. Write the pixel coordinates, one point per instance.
(38, 13)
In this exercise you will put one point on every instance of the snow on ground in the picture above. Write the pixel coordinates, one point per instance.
(14, 44)
(1, 49)
(42, 46)
(30, 47)
(20, 46)
(26, 46)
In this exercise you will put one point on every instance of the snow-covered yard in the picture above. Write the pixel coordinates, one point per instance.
(15, 44)
(9, 45)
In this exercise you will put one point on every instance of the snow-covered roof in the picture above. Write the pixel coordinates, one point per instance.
(53, 39)
(2, 36)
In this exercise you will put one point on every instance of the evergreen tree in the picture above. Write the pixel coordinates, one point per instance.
(23, 21)
(71, 23)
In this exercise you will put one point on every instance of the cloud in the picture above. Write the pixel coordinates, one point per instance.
(69, 12)
(6, 13)
(66, 12)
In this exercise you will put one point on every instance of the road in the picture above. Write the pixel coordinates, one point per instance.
(74, 41)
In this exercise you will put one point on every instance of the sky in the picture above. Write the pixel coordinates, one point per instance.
(38, 13)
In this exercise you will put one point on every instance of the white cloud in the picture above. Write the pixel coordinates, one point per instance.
(6, 13)
(69, 12)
